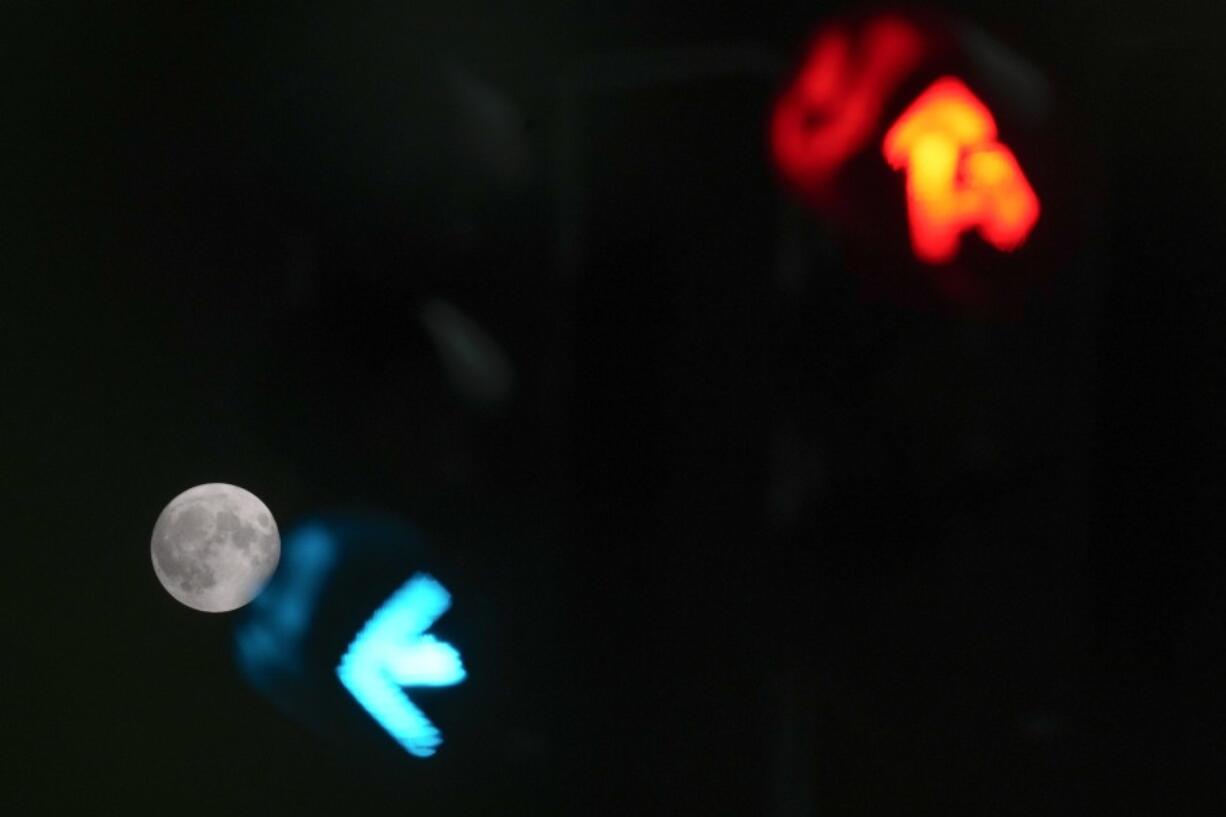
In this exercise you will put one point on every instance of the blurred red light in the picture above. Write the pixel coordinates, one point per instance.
(958, 176)
(832, 109)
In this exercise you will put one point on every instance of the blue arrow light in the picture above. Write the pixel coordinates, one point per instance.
(392, 650)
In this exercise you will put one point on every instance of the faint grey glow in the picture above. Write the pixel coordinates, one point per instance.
(473, 360)
(1018, 83)
(491, 128)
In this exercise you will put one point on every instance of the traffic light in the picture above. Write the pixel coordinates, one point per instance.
(340, 638)
(927, 148)
(959, 176)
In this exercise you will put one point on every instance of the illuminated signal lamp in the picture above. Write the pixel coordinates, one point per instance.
(958, 176)
(393, 650)
(923, 146)
(344, 638)
(832, 109)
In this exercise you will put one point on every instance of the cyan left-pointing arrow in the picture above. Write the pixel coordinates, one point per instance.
(392, 651)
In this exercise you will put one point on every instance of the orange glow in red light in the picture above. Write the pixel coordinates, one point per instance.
(832, 108)
(958, 176)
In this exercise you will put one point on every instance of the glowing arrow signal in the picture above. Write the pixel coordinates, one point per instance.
(391, 651)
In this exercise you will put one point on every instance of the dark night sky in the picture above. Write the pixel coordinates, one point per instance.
(730, 548)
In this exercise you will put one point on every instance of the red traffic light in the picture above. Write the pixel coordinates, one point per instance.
(833, 108)
(958, 176)
(924, 144)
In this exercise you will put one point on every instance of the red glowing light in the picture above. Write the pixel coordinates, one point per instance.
(832, 108)
(958, 176)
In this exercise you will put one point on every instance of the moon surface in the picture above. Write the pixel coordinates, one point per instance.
(215, 546)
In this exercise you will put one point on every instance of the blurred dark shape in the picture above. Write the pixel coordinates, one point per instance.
(475, 364)
(797, 474)
(1014, 84)
(395, 139)
(490, 129)
(363, 378)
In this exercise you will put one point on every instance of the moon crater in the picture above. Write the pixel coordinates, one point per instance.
(215, 546)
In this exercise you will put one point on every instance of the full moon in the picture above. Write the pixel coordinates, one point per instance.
(215, 546)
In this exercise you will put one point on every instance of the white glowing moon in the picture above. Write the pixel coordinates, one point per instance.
(215, 546)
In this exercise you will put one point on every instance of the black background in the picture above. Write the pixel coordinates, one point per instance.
(746, 540)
